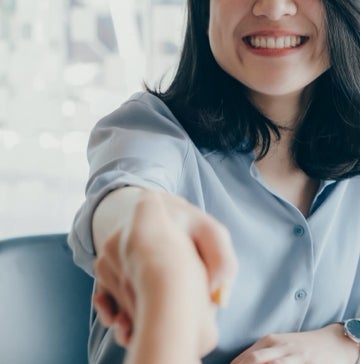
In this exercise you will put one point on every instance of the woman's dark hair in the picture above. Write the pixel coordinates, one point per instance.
(215, 111)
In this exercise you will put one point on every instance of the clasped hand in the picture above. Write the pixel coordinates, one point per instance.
(165, 268)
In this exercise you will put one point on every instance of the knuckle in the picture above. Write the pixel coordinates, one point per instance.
(214, 228)
(137, 245)
(110, 245)
(96, 266)
(103, 319)
(148, 197)
(222, 236)
(254, 357)
(119, 338)
(270, 339)
(100, 266)
(108, 248)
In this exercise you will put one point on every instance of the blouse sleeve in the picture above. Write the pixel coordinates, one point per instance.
(140, 144)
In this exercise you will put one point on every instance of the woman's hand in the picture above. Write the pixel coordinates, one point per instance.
(174, 250)
(324, 346)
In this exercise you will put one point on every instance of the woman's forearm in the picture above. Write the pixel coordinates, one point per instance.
(113, 213)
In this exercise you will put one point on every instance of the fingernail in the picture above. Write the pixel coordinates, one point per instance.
(220, 296)
(220, 291)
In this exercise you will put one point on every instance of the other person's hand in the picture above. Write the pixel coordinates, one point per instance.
(171, 248)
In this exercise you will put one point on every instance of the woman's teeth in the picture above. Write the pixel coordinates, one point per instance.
(289, 41)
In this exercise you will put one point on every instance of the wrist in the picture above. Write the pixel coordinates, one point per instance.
(163, 329)
(159, 338)
(350, 348)
(113, 213)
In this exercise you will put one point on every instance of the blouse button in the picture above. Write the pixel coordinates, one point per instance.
(298, 230)
(300, 295)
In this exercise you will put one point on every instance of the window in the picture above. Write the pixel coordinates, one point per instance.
(65, 64)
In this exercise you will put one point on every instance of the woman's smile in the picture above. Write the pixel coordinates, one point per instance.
(261, 45)
(274, 44)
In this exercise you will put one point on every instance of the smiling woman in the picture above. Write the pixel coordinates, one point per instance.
(224, 116)
(251, 156)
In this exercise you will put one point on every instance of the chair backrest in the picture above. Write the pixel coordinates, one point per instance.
(44, 302)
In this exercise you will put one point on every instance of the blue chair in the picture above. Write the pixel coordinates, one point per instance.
(45, 302)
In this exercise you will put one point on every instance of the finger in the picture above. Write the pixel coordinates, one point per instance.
(215, 248)
(122, 330)
(263, 355)
(120, 290)
(107, 281)
(106, 308)
(114, 300)
(214, 245)
(111, 316)
(112, 279)
(117, 279)
(111, 312)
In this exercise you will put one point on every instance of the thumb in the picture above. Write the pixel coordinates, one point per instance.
(214, 245)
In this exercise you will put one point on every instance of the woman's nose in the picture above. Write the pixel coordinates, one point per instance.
(274, 9)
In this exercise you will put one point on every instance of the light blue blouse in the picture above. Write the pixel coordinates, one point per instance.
(295, 273)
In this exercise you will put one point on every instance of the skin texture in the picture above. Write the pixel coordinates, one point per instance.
(326, 345)
(163, 239)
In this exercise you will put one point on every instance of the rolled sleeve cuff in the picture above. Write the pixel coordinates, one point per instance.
(80, 237)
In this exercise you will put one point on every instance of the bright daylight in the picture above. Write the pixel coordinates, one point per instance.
(64, 65)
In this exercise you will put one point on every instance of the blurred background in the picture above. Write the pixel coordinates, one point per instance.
(63, 65)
